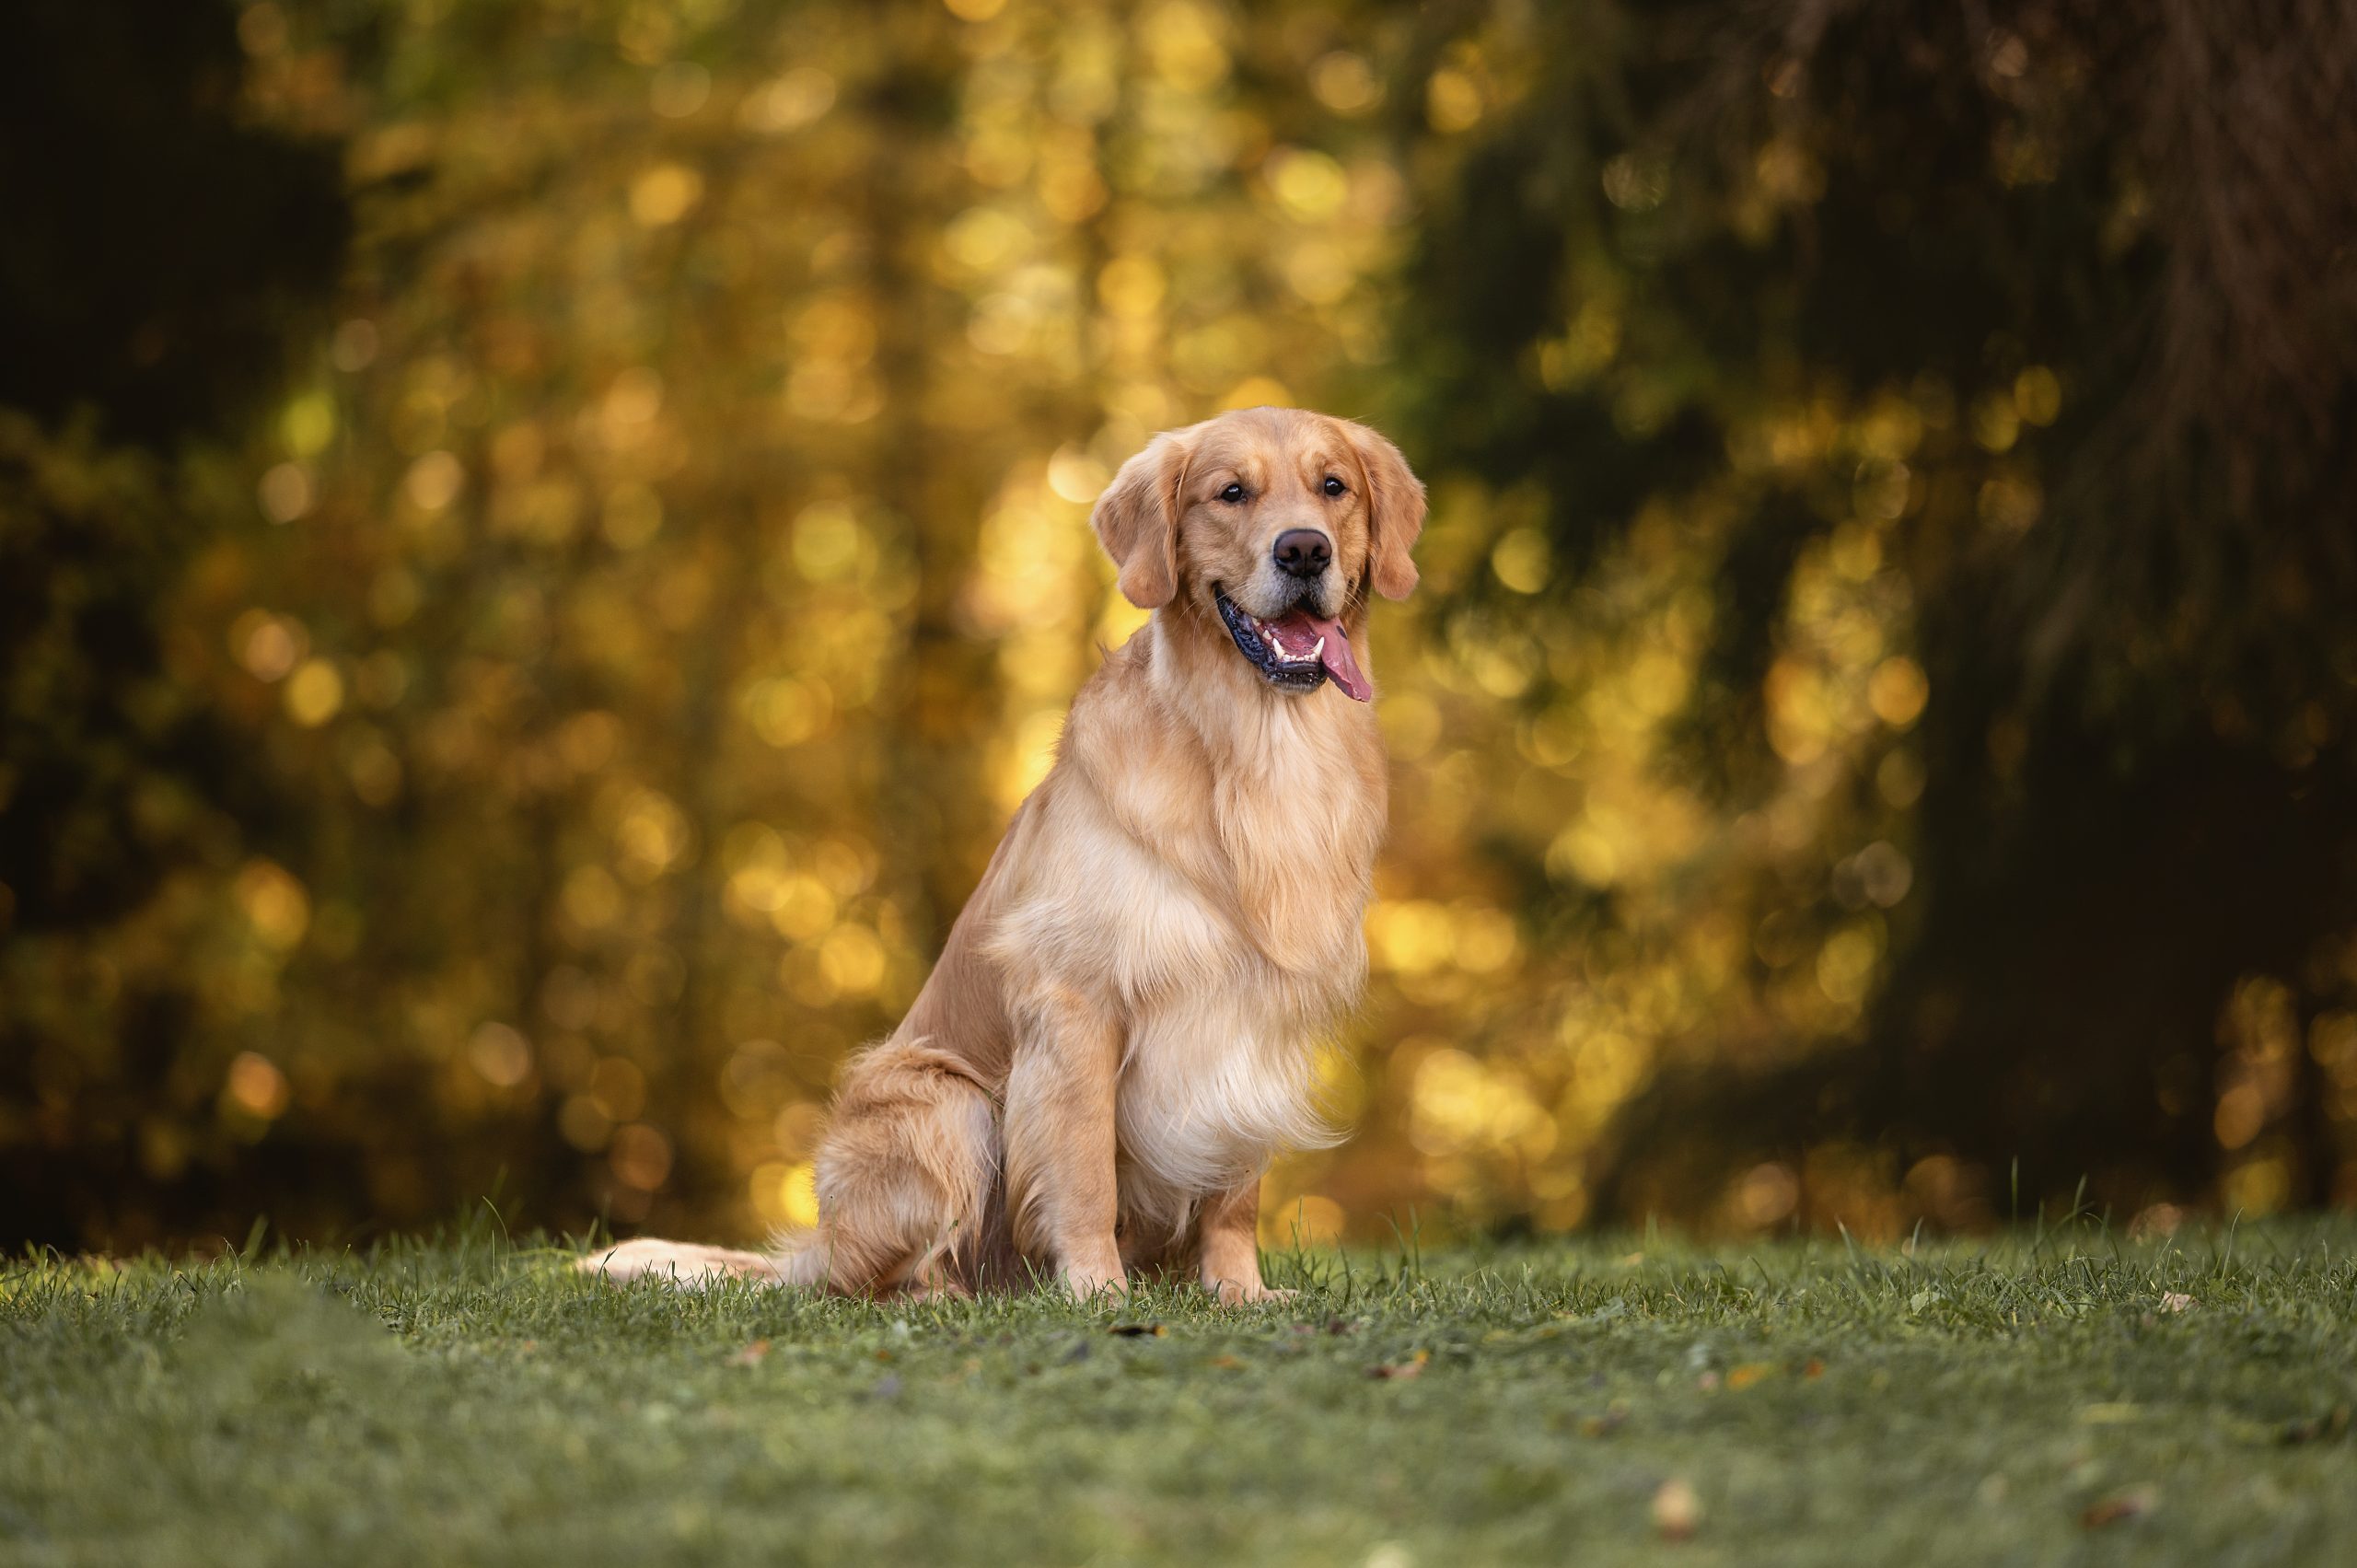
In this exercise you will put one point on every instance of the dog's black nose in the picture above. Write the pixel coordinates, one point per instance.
(1303, 552)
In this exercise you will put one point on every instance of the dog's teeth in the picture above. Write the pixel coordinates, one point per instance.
(1319, 649)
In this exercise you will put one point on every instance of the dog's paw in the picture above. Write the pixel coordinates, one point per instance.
(1096, 1284)
(1231, 1293)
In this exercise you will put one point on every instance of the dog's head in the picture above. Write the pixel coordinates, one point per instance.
(1272, 523)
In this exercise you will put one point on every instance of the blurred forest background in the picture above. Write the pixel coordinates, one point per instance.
(540, 541)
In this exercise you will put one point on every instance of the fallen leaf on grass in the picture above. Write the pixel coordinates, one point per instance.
(1401, 1370)
(2116, 1412)
(2334, 1424)
(1744, 1376)
(1615, 1416)
(2178, 1301)
(2129, 1505)
(1138, 1330)
(1677, 1511)
(1228, 1363)
(751, 1355)
(1814, 1369)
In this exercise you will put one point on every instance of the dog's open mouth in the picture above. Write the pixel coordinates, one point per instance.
(1296, 651)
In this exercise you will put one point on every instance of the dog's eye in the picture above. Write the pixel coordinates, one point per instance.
(1332, 486)
(1232, 495)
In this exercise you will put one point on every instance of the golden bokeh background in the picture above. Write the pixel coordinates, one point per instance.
(627, 618)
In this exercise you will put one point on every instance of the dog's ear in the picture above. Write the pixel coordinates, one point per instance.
(1137, 521)
(1395, 510)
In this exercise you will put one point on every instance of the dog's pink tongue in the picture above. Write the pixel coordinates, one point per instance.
(1300, 630)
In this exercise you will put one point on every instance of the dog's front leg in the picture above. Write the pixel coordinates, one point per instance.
(1061, 1189)
(1230, 1244)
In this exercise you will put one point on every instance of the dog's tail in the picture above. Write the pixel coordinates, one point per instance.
(684, 1263)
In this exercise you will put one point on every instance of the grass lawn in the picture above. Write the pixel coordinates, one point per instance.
(2034, 1399)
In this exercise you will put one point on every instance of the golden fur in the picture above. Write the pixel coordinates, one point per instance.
(1120, 1034)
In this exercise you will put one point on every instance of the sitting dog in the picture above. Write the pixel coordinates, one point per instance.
(1120, 1033)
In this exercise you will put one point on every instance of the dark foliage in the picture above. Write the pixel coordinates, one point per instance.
(2141, 740)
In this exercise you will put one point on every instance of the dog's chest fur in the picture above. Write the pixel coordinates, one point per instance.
(1216, 910)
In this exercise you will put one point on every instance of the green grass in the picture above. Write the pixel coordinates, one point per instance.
(2032, 1399)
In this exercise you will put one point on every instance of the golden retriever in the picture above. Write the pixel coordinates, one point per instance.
(1121, 1032)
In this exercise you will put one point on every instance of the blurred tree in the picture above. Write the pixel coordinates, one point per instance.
(1999, 361)
(163, 246)
(137, 152)
(160, 255)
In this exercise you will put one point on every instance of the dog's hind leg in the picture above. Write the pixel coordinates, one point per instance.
(905, 1176)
